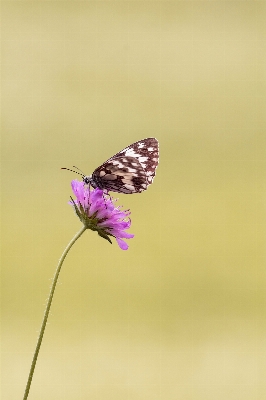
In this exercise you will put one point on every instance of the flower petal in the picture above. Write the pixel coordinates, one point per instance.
(122, 234)
(122, 244)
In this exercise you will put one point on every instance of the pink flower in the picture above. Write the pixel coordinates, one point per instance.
(98, 213)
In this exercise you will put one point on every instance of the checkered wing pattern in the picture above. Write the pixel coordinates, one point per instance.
(131, 170)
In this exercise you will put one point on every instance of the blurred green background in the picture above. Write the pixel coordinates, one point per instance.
(181, 314)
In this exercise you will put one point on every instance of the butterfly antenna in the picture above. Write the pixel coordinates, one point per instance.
(79, 170)
(74, 171)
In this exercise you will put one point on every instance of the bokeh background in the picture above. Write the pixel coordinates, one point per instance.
(181, 314)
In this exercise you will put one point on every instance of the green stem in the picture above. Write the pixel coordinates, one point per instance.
(47, 310)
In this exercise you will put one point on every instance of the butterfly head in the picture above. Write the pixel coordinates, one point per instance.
(88, 180)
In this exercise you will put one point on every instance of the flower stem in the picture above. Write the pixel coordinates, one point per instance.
(47, 310)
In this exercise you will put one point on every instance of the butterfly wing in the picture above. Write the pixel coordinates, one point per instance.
(146, 151)
(121, 174)
(131, 170)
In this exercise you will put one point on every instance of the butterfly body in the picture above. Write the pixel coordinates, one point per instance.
(129, 171)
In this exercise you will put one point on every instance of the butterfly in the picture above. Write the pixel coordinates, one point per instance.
(131, 170)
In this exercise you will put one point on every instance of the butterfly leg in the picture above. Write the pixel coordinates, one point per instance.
(105, 193)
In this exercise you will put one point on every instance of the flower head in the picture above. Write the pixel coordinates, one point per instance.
(98, 213)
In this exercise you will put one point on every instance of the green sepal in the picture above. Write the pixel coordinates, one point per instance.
(105, 236)
(76, 209)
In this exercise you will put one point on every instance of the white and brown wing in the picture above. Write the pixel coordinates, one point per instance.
(131, 170)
